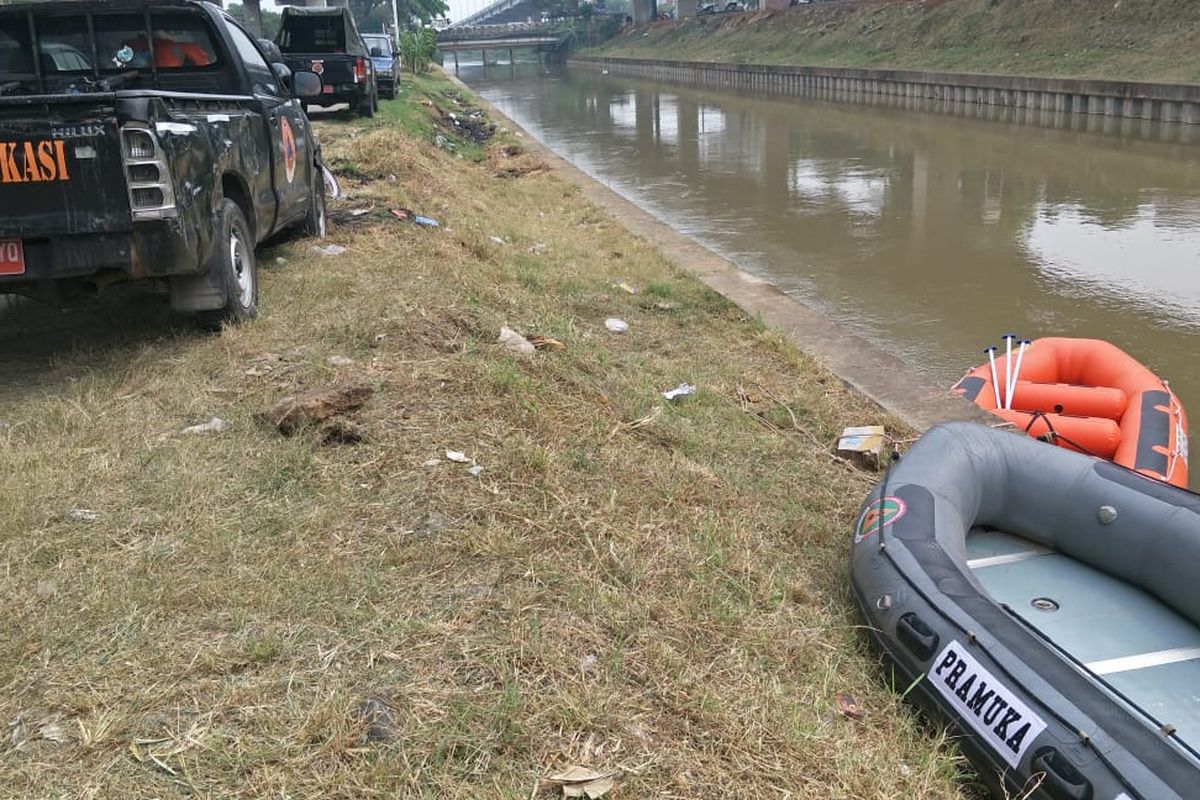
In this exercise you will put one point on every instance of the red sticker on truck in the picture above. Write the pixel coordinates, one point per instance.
(289, 148)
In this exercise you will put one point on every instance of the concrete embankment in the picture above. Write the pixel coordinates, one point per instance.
(946, 91)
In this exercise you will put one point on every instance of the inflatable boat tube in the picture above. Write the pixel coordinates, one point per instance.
(1091, 396)
(1037, 654)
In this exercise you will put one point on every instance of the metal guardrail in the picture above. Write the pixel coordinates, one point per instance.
(468, 32)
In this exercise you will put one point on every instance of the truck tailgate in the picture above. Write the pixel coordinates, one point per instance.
(60, 177)
(334, 68)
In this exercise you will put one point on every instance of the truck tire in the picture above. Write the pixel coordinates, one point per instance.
(366, 105)
(233, 262)
(315, 221)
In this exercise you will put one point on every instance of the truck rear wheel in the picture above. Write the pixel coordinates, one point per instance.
(315, 221)
(235, 270)
(366, 105)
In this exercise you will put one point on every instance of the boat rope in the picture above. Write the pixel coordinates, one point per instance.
(1052, 436)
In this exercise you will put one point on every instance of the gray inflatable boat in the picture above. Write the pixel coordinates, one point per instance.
(1048, 605)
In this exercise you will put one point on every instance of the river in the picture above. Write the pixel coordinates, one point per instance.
(931, 235)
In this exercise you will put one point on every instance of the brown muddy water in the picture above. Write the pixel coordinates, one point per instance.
(929, 234)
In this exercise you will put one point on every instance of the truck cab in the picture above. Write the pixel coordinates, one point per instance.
(150, 141)
(327, 42)
(386, 61)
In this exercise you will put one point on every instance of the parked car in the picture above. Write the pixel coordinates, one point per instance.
(148, 140)
(326, 41)
(382, 49)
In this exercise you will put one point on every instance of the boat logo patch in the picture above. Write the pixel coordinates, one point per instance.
(991, 709)
(879, 512)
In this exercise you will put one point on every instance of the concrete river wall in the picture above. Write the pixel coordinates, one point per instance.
(1128, 100)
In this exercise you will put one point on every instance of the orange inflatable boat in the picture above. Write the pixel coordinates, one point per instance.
(1086, 395)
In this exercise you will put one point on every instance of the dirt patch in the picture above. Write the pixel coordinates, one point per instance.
(512, 161)
(315, 406)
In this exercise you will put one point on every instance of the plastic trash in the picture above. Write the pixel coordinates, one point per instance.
(402, 213)
(497, 240)
(457, 457)
(682, 390)
(616, 325)
(214, 425)
(515, 341)
(474, 471)
(332, 187)
(329, 250)
(427, 222)
(625, 287)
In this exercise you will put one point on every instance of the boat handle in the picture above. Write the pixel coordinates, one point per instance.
(918, 637)
(1062, 781)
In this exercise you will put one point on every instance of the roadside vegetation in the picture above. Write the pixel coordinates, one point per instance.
(1142, 40)
(481, 567)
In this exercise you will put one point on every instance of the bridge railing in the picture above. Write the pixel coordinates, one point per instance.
(467, 32)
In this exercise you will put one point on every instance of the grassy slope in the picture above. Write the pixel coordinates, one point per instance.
(1150, 40)
(667, 602)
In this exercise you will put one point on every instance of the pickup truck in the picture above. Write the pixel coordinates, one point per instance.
(147, 140)
(326, 41)
(386, 61)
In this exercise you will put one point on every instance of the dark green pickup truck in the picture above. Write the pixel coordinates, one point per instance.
(149, 141)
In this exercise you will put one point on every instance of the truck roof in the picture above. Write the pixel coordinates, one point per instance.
(83, 6)
(322, 11)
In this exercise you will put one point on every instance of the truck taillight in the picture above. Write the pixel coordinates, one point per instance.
(360, 70)
(151, 194)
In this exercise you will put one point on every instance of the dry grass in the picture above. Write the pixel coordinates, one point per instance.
(1147, 40)
(665, 601)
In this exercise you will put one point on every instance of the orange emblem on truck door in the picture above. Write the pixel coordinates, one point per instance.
(33, 162)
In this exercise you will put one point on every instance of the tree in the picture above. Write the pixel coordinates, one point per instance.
(372, 15)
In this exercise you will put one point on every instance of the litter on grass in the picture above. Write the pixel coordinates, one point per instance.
(546, 343)
(332, 186)
(497, 240)
(407, 215)
(214, 425)
(474, 471)
(329, 250)
(83, 514)
(457, 457)
(515, 341)
(862, 445)
(625, 287)
(847, 706)
(616, 325)
(579, 781)
(682, 390)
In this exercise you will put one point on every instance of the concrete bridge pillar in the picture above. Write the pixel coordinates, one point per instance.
(252, 13)
(645, 10)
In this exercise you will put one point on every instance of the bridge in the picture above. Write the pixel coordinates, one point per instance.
(504, 11)
(539, 36)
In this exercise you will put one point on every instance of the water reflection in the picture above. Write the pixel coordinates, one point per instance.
(930, 234)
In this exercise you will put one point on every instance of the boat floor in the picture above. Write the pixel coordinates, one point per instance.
(1138, 645)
